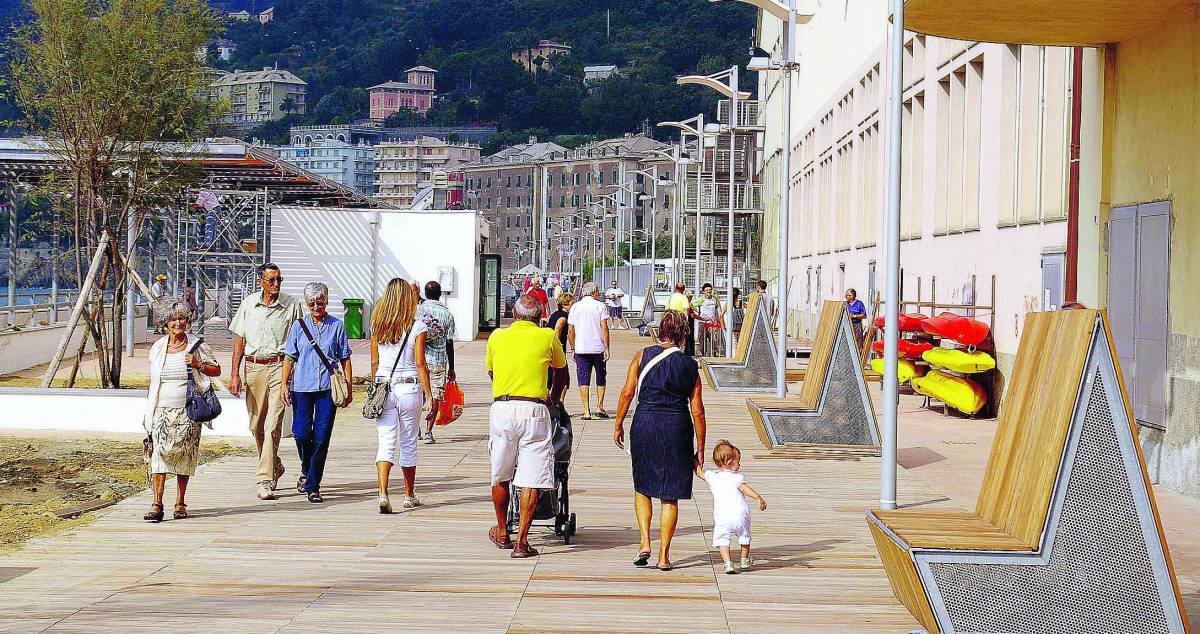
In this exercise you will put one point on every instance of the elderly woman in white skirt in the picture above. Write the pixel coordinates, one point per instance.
(398, 356)
(173, 439)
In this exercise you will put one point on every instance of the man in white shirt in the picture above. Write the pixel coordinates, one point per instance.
(612, 297)
(587, 330)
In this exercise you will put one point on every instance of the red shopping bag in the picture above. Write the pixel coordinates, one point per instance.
(452, 406)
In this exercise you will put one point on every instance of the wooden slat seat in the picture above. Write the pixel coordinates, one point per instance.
(1062, 388)
(743, 342)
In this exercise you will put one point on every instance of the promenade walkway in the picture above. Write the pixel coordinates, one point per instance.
(241, 564)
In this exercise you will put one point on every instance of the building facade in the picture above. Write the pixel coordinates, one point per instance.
(339, 161)
(985, 172)
(546, 204)
(373, 132)
(403, 168)
(540, 57)
(416, 93)
(259, 96)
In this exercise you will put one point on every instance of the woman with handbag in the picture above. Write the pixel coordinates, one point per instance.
(666, 440)
(180, 367)
(400, 388)
(316, 380)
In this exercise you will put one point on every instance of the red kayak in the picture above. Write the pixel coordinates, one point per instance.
(964, 330)
(906, 347)
(909, 322)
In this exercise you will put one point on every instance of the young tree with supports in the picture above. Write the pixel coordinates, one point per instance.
(116, 92)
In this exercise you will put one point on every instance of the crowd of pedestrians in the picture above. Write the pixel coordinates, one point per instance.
(291, 355)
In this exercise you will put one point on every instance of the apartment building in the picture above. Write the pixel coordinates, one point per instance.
(541, 198)
(403, 168)
(985, 171)
(416, 93)
(339, 161)
(541, 57)
(259, 96)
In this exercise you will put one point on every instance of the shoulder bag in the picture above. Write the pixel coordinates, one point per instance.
(202, 406)
(646, 370)
(377, 392)
(339, 387)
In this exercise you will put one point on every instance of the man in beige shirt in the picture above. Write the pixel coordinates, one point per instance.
(261, 327)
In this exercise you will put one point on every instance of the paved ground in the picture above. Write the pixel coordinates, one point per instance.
(245, 565)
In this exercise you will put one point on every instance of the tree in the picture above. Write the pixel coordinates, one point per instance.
(404, 118)
(117, 93)
(288, 105)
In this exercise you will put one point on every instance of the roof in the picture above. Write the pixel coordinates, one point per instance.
(227, 164)
(400, 85)
(633, 144)
(600, 68)
(551, 44)
(266, 75)
(421, 69)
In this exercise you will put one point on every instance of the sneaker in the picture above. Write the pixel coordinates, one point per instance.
(747, 562)
(385, 505)
(429, 440)
(264, 491)
(730, 569)
(410, 502)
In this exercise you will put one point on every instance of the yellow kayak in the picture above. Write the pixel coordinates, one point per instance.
(959, 360)
(958, 392)
(905, 370)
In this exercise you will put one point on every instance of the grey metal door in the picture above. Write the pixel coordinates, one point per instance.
(1138, 296)
(1052, 280)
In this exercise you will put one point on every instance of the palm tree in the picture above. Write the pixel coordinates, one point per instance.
(288, 105)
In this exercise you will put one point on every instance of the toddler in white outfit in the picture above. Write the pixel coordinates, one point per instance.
(731, 516)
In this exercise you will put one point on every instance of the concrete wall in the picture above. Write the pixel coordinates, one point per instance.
(1154, 92)
(100, 410)
(334, 246)
(32, 346)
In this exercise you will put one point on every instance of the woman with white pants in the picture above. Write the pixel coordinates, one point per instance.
(398, 356)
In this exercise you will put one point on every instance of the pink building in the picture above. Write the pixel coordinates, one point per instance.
(416, 93)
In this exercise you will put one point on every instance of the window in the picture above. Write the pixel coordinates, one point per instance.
(562, 179)
(912, 205)
(529, 200)
(600, 176)
(589, 178)
(508, 181)
(489, 182)
(508, 221)
(1039, 129)
(575, 200)
(562, 201)
(575, 178)
(615, 176)
(518, 222)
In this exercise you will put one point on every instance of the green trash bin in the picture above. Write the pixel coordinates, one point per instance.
(353, 320)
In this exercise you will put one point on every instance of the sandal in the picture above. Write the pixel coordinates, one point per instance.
(643, 558)
(315, 497)
(666, 567)
(494, 534)
(600, 413)
(153, 515)
(180, 512)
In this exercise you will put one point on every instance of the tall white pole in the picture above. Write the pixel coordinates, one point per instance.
(700, 194)
(785, 204)
(654, 231)
(733, 125)
(676, 234)
(130, 291)
(887, 485)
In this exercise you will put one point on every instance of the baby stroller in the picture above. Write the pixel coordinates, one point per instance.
(553, 505)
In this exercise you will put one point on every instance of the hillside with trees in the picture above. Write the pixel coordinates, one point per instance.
(343, 47)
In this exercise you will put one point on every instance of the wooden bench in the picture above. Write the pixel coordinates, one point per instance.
(753, 365)
(1065, 536)
(834, 408)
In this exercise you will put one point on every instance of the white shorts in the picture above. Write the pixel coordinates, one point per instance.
(520, 444)
(724, 532)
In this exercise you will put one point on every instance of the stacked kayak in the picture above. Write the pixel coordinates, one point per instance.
(959, 360)
(964, 330)
(909, 322)
(958, 392)
(905, 370)
(907, 348)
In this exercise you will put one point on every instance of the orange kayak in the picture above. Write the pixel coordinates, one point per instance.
(964, 330)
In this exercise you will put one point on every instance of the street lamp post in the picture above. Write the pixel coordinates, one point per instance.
(696, 131)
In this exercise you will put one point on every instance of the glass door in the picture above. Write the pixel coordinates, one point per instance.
(489, 292)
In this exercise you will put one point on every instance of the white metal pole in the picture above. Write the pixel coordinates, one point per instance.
(54, 253)
(700, 194)
(733, 121)
(785, 204)
(680, 196)
(654, 231)
(130, 291)
(12, 248)
(887, 488)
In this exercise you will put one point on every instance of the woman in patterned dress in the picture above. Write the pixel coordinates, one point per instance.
(666, 440)
(173, 441)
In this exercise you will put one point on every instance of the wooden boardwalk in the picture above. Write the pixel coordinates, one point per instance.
(240, 564)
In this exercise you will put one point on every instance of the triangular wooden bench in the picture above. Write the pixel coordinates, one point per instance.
(753, 365)
(834, 408)
(1065, 536)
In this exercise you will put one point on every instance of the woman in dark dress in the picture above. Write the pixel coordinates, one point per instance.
(666, 440)
(558, 323)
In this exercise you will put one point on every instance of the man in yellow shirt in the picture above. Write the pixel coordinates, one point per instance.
(520, 440)
(680, 302)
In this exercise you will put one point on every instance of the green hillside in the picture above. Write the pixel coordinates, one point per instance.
(341, 47)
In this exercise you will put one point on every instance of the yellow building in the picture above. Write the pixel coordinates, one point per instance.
(540, 57)
(258, 96)
(1137, 252)
(404, 168)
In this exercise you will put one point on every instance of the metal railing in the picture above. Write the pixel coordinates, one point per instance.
(748, 113)
(715, 197)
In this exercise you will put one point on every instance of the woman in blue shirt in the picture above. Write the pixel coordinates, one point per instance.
(858, 313)
(306, 384)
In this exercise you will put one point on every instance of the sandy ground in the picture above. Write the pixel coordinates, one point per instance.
(44, 477)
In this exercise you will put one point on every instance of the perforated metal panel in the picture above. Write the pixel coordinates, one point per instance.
(844, 415)
(757, 373)
(1101, 569)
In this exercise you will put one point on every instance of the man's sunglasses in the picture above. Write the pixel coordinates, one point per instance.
(272, 280)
